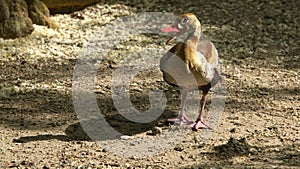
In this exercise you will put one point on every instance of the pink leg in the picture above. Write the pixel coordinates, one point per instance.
(182, 119)
(199, 122)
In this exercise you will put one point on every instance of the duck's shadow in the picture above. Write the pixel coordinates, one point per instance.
(108, 126)
(76, 131)
(78, 135)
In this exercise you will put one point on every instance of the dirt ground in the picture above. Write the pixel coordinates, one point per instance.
(259, 47)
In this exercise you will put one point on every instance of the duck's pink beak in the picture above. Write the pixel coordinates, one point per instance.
(171, 29)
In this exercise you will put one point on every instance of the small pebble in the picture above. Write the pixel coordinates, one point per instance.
(233, 130)
(133, 157)
(105, 149)
(127, 165)
(156, 130)
(253, 151)
(125, 137)
(177, 148)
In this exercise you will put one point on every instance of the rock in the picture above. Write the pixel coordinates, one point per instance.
(39, 14)
(14, 19)
(18, 16)
(68, 6)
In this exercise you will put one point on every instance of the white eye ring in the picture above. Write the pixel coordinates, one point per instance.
(180, 26)
(184, 20)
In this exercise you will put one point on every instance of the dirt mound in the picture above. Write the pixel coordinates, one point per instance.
(234, 147)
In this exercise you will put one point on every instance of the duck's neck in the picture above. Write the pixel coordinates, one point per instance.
(191, 44)
(192, 40)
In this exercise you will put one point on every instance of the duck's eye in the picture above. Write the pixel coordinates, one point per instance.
(184, 20)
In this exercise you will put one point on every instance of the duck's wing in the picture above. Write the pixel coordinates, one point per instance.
(210, 55)
(209, 51)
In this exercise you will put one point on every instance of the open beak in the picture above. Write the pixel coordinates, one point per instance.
(173, 28)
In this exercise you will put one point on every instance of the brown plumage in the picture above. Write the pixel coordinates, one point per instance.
(191, 65)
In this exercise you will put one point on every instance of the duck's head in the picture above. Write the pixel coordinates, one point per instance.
(184, 23)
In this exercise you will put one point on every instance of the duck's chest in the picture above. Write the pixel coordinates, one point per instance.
(185, 72)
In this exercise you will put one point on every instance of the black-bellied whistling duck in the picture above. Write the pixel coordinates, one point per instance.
(191, 65)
